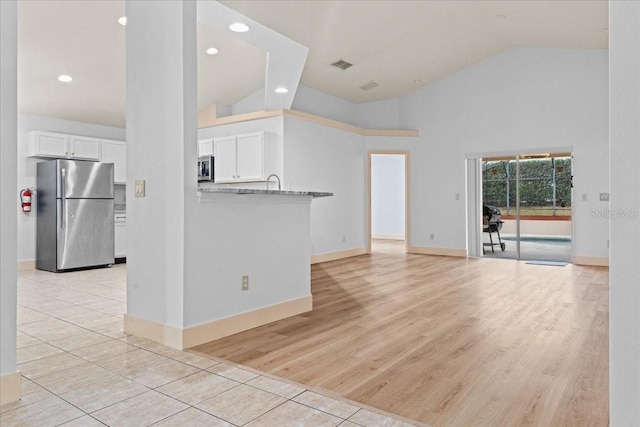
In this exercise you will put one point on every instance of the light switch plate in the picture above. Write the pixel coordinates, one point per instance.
(139, 190)
(604, 197)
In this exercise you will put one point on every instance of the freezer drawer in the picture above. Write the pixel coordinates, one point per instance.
(85, 233)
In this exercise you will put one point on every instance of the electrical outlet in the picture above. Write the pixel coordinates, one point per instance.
(344, 238)
(584, 197)
(245, 283)
(432, 236)
(457, 196)
(139, 190)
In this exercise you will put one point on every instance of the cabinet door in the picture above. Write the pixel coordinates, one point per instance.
(120, 239)
(225, 159)
(84, 148)
(47, 144)
(205, 147)
(116, 152)
(250, 157)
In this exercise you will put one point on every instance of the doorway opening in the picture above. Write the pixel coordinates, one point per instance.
(388, 213)
(526, 207)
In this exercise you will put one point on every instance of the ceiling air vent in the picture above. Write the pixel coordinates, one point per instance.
(369, 85)
(342, 64)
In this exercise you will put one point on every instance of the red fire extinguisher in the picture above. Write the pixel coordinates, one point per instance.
(25, 199)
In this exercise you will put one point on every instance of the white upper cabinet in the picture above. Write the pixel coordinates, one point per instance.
(116, 152)
(239, 158)
(225, 159)
(250, 157)
(60, 146)
(81, 147)
(205, 147)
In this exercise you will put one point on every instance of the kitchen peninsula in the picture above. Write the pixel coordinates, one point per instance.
(248, 263)
(221, 190)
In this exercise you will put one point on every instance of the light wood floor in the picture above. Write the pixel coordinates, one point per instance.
(446, 341)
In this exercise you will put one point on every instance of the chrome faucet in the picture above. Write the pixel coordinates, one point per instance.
(277, 177)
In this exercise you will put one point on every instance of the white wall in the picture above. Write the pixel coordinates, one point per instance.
(324, 105)
(264, 237)
(250, 104)
(379, 115)
(27, 168)
(387, 196)
(161, 149)
(624, 284)
(321, 158)
(8, 187)
(522, 99)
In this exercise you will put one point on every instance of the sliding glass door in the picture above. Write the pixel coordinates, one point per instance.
(527, 207)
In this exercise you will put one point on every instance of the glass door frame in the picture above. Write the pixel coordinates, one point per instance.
(475, 240)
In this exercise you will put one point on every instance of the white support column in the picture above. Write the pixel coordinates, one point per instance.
(624, 213)
(9, 378)
(161, 150)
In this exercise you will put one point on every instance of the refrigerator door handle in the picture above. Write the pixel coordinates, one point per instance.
(63, 180)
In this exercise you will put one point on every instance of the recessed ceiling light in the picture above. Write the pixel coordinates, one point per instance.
(122, 20)
(282, 90)
(64, 78)
(212, 51)
(239, 27)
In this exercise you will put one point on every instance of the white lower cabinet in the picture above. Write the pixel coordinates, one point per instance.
(120, 241)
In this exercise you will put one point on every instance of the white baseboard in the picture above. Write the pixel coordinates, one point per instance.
(332, 256)
(200, 334)
(10, 388)
(26, 265)
(438, 251)
(599, 261)
(388, 236)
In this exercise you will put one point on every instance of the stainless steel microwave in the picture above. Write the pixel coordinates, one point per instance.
(206, 169)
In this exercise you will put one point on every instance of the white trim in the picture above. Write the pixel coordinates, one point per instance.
(438, 251)
(216, 329)
(598, 261)
(387, 236)
(26, 265)
(10, 388)
(332, 256)
(567, 149)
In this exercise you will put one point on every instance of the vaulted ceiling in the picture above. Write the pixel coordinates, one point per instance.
(400, 45)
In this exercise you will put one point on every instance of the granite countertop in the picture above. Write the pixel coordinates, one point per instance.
(314, 194)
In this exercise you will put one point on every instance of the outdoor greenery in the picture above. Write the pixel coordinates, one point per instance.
(536, 186)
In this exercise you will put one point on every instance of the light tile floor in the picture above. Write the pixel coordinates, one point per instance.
(80, 369)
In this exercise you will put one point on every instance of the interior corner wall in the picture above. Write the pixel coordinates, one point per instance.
(321, 104)
(379, 114)
(26, 166)
(520, 99)
(250, 104)
(322, 158)
(8, 187)
(624, 213)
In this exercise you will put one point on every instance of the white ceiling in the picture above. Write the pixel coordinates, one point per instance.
(401, 45)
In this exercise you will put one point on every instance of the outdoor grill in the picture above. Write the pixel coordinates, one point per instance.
(491, 223)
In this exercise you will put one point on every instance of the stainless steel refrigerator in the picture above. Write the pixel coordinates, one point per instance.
(74, 215)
